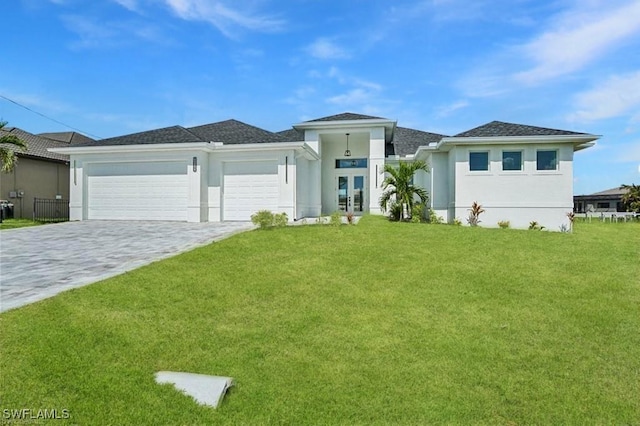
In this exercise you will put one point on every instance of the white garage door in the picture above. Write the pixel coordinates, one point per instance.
(137, 191)
(249, 187)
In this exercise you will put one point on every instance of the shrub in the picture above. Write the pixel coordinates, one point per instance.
(280, 220)
(504, 224)
(457, 221)
(395, 211)
(265, 219)
(417, 213)
(336, 219)
(262, 218)
(350, 218)
(474, 214)
(434, 218)
(535, 226)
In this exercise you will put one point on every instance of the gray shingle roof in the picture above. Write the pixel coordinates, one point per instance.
(173, 134)
(612, 191)
(291, 135)
(346, 116)
(68, 137)
(234, 132)
(500, 128)
(36, 145)
(406, 141)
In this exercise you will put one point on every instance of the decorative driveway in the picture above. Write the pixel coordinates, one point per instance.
(41, 261)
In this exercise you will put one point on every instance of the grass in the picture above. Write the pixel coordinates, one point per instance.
(18, 223)
(379, 323)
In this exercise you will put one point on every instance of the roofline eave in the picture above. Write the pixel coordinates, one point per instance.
(580, 141)
(196, 146)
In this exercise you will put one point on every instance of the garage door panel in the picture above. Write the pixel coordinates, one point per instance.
(250, 187)
(122, 192)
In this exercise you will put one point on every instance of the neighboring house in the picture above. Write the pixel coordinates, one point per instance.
(229, 170)
(39, 173)
(70, 138)
(600, 202)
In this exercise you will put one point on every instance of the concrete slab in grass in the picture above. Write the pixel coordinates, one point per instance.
(206, 390)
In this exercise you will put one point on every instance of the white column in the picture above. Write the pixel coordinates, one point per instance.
(376, 167)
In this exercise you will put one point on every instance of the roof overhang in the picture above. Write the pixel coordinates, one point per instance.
(339, 125)
(579, 142)
(196, 146)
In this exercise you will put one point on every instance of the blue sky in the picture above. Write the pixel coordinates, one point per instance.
(113, 67)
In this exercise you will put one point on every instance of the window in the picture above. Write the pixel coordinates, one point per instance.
(478, 161)
(511, 160)
(355, 163)
(602, 205)
(547, 160)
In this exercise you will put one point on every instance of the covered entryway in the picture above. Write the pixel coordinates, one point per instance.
(249, 186)
(137, 191)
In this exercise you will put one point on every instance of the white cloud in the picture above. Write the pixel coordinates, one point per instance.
(324, 48)
(577, 38)
(131, 5)
(617, 96)
(226, 19)
(447, 110)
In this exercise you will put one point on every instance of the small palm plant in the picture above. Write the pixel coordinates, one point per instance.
(474, 214)
(7, 154)
(399, 185)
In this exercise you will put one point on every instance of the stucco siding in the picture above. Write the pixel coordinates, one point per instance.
(37, 179)
(518, 196)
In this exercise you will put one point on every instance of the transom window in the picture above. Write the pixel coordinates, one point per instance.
(547, 160)
(351, 163)
(479, 161)
(511, 160)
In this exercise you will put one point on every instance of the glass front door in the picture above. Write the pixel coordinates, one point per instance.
(351, 193)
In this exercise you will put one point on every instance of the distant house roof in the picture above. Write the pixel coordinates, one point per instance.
(68, 137)
(613, 193)
(406, 141)
(36, 145)
(500, 128)
(234, 132)
(346, 116)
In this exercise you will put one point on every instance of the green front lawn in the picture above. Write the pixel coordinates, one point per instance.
(18, 223)
(379, 323)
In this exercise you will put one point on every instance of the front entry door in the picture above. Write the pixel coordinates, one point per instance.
(351, 194)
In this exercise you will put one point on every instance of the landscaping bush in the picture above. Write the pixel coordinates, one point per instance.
(504, 224)
(434, 218)
(395, 211)
(280, 220)
(336, 218)
(266, 219)
(262, 218)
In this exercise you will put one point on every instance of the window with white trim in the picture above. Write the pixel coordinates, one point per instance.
(511, 160)
(479, 161)
(547, 160)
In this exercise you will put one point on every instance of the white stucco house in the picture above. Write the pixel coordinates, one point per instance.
(228, 170)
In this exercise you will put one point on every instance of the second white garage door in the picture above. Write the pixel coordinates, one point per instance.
(137, 191)
(249, 187)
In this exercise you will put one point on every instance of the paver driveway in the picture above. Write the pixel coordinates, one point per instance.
(42, 261)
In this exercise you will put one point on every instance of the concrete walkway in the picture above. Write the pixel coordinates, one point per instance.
(42, 261)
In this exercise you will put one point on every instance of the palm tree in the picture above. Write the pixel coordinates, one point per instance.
(399, 185)
(632, 197)
(7, 154)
